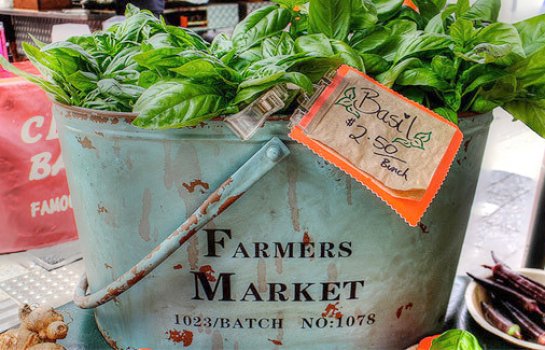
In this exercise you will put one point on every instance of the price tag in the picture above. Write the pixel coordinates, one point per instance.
(397, 148)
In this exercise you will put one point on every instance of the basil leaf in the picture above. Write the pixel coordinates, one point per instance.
(532, 33)
(278, 45)
(430, 8)
(462, 32)
(447, 113)
(208, 71)
(422, 77)
(530, 111)
(177, 104)
(251, 89)
(83, 81)
(315, 43)
(320, 45)
(259, 25)
(374, 64)
(374, 41)
(148, 78)
(315, 67)
(444, 67)
(51, 88)
(455, 340)
(330, 18)
(389, 77)
(184, 37)
(421, 43)
(246, 58)
(166, 58)
(221, 45)
(500, 34)
(132, 30)
(531, 70)
(125, 92)
(461, 7)
(347, 54)
(478, 76)
(482, 105)
(363, 14)
(483, 10)
(387, 8)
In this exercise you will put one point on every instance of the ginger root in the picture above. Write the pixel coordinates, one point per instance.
(39, 330)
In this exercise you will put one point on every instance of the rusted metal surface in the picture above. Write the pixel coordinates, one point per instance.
(306, 259)
(228, 193)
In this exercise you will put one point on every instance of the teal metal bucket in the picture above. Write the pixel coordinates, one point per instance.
(301, 257)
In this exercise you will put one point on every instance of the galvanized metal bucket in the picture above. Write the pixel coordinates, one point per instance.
(305, 259)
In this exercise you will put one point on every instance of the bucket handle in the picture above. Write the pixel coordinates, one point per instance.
(231, 190)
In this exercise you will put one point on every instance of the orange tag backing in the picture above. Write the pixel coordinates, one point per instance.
(397, 148)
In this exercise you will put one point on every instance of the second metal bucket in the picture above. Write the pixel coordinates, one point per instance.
(305, 259)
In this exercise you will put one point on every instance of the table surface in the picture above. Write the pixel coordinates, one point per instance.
(84, 335)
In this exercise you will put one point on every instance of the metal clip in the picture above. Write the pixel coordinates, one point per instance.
(306, 101)
(246, 123)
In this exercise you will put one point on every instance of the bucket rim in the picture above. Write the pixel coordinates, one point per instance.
(129, 117)
(97, 114)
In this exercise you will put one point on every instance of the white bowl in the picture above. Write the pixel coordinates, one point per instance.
(475, 294)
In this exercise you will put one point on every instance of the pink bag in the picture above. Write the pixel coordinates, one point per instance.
(35, 208)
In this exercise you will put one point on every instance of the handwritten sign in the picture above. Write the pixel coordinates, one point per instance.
(397, 148)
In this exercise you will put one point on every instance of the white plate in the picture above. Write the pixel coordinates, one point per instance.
(475, 294)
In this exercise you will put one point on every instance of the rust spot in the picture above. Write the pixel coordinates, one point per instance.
(85, 142)
(228, 202)
(307, 239)
(191, 187)
(178, 267)
(200, 125)
(466, 144)
(208, 272)
(184, 337)
(275, 342)
(332, 310)
(138, 275)
(214, 197)
(108, 266)
(423, 228)
(193, 220)
(102, 209)
(403, 307)
(399, 311)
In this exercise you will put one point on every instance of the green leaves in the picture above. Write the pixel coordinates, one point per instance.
(421, 43)
(430, 8)
(483, 10)
(454, 58)
(532, 33)
(330, 18)
(497, 43)
(278, 45)
(456, 340)
(177, 104)
(530, 111)
(259, 25)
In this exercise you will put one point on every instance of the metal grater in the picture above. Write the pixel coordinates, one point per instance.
(37, 287)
